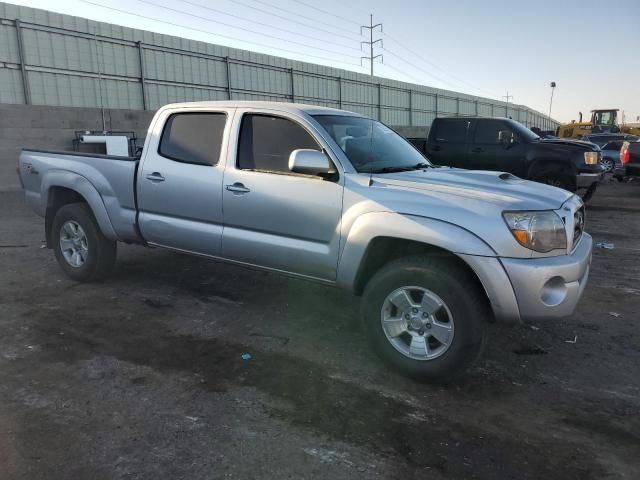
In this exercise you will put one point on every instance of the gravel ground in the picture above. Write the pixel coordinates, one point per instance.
(141, 376)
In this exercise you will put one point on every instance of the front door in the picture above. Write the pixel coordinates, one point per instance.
(275, 218)
(180, 182)
(495, 146)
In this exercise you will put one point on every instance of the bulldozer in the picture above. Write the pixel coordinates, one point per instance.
(602, 121)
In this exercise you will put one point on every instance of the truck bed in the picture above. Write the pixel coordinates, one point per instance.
(109, 181)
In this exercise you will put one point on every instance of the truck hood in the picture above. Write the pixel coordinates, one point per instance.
(501, 189)
(569, 143)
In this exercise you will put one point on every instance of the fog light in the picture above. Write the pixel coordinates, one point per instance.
(554, 292)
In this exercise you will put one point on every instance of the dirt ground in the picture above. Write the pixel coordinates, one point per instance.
(142, 376)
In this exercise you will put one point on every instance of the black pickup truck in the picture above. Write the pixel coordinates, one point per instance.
(502, 144)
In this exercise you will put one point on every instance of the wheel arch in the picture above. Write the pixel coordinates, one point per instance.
(62, 188)
(377, 238)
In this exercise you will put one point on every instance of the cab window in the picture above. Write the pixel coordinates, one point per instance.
(193, 137)
(267, 141)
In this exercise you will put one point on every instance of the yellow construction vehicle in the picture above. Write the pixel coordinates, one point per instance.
(602, 121)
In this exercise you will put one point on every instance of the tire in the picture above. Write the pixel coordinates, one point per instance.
(463, 305)
(89, 256)
(607, 164)
(556, 179)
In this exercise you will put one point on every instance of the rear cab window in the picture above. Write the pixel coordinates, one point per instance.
(451, 130)
(193, 137)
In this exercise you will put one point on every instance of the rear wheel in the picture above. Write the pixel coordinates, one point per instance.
(425, 317)
(81, 249)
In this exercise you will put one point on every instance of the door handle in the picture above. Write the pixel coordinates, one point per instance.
(477, 150)
(237, 188)
(155, 177)
(436, 148)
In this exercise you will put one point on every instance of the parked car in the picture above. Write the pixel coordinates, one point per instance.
(502, 144)
(630, 158)
(329, 196)
(602, 139)
(610, 160)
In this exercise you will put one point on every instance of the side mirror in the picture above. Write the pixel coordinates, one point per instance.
(309, 162)
(506, 138)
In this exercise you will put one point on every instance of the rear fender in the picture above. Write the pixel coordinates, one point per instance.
(79, 184)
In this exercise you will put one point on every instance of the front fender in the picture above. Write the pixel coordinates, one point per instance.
(79, 184)
(426, 230)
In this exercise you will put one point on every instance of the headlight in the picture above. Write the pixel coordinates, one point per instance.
(591, 158)
(541, 231)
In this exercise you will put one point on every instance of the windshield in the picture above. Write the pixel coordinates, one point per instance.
(523, 132)
(371, 146)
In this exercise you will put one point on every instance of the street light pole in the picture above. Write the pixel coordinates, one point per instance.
(553, 87)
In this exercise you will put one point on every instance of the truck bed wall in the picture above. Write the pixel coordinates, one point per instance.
(53, 128)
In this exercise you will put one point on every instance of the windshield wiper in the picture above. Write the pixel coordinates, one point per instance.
(421, 165)
(417, 166)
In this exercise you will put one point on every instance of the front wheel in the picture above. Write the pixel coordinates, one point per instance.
(556, 179)
(426, 317)
(81, 249)
(607, 165)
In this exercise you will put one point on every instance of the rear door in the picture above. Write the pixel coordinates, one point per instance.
(180, 181)
(495, 146)
(273, 217)
(448, 142)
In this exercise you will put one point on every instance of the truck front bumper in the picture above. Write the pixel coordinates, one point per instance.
(587, 180)
(532, 288)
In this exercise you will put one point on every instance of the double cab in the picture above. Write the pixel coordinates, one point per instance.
(333, 197)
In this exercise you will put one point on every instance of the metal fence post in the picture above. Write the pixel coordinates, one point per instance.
(293, 90)
(492, 111)
(436, 105)
(145, 104)
(476, 108)
(25, 80)
(410, 107)
(457, 105)
(339, 92)
(380, 102)
(226, 61)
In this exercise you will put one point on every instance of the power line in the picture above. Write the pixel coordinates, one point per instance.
(207, 19)
(413, 52)
(208, 32)
(401, 72)
(314, 20)
(268, 25)
(327, 13)
(408, 62)
(267, 12)
(371, 27)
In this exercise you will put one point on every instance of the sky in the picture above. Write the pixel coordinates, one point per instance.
(480, 47)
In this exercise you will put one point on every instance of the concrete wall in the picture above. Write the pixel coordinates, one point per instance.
(54, 128)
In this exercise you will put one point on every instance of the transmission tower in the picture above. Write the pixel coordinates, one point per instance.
(371, 27)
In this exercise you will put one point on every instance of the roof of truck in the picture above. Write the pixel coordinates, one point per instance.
(281, 106)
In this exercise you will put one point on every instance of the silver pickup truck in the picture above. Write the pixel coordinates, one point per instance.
(330, 196)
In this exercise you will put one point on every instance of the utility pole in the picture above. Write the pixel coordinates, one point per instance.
(371, 27)
(553, 87)
(507, 96)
